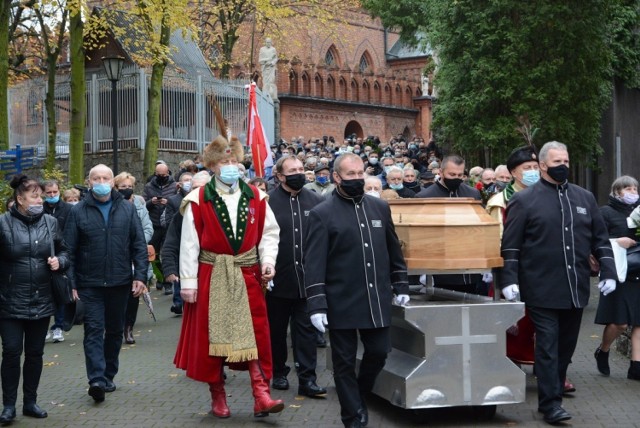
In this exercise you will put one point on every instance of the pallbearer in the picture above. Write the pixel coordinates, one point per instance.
(353, 266)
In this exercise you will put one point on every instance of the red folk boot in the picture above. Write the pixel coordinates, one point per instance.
(219, 400)
(263, 402)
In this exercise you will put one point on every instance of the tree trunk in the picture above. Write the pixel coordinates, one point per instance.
(152, 140)
(78, 100)
(5, 6)
(49, 105)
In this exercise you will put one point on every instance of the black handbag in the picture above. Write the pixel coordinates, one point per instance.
(633, 261)
(60, 283)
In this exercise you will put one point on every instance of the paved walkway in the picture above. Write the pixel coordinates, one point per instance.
(153, 393)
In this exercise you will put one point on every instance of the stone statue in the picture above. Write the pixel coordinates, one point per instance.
(268, 60)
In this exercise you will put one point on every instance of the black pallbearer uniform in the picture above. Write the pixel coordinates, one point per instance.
(549, 233)
(287, 301)
(353, 265)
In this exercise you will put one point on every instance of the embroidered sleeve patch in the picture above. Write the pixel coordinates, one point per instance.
(581, 210)
(376, 223)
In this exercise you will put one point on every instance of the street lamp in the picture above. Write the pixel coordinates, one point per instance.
(113, 69)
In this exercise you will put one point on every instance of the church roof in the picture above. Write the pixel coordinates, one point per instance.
(404, 50)
(187, 60)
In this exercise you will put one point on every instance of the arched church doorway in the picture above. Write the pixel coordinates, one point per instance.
(353, 127)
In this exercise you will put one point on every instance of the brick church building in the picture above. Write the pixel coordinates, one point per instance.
(356, 79)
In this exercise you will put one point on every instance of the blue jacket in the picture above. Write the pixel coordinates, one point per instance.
(103, 255)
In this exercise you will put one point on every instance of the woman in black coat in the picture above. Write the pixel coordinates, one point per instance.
(622, 307)
(26, 299)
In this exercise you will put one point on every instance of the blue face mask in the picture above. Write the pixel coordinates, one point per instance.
(101, 189)
(229, 174)
(186, 186)
(530, 177)
(52, 199)
(396, 186)
(322, 180)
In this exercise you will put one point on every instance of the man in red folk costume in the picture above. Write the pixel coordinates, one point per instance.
(227, 224)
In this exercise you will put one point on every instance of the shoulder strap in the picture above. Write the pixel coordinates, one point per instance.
(46, 221)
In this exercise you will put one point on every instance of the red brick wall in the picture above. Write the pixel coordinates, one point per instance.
(315, 118)
(302, 71)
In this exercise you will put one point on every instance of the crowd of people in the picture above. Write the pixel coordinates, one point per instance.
(311, 246)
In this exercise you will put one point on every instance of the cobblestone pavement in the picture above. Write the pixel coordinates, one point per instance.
(153, 393)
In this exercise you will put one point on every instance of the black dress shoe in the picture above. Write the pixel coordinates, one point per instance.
(602, 361)
(355, 423)
(555, 415)
(34, 411)
(176, 309)
(280, 383)
(8, 415)
(109, 386)
(96, 391)
(321, 342)
(363, 412)
(311, 389)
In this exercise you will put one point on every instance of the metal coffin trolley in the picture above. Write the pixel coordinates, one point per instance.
(449, 348)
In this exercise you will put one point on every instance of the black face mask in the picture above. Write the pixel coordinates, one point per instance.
(353, 188)
(162, 179)
(452, 183)
(295, 181)
(501, 185)
(559, 173)
(126, 193)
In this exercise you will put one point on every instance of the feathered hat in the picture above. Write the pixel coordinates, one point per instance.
(220, 149)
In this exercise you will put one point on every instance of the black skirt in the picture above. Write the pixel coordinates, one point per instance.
(622, 306)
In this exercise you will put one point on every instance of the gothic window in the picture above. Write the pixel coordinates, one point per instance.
(332, 58)
(364, 63)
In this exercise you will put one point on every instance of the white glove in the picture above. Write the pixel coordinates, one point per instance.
(487, 277)
(607, 286)
(319, 321)
(511, 293)
(401, 299)
(423, 279)
(270, 285)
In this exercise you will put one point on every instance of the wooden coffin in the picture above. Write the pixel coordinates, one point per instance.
(446, 233)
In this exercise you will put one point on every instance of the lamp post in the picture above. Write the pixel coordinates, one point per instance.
(113, 69)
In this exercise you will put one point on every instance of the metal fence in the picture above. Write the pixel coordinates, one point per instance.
(187, 119)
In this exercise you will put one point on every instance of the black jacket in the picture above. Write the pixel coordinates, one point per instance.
(60, 211)
(549, 233)
(172, 207)
(405, 192)
(353, 262)
(439, 191)
(615, 215)
(170, 252)
(103, 256)
(153, 189)
(292, 215)
(25, 276)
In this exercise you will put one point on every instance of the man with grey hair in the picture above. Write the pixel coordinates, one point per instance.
(395, 176)
(551, 230)
(353, 266)
(105, 239)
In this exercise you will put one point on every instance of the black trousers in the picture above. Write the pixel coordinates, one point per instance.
(132, 310)
(556, 338)
(105, 309)
(14, 334)
(351, 389)
(281, 311)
